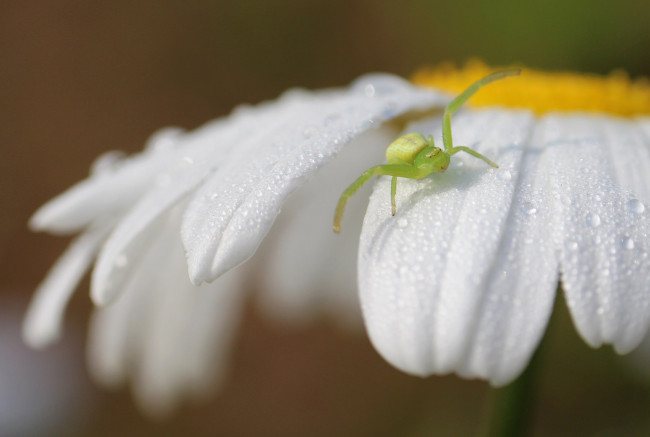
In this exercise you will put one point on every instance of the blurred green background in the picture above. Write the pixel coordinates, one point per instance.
(80, 78)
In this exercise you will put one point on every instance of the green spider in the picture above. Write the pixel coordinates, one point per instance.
(413, 156)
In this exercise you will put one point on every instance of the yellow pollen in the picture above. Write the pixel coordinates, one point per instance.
(543, 91)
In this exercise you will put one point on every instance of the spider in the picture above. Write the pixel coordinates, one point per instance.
(413, 156)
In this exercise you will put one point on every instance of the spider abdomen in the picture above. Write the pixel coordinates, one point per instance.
(406, 147)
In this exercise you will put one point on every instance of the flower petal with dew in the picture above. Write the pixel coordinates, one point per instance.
(463, 277)
(302, 236)
(217, 190)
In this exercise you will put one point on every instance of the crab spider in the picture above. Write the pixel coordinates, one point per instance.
(413, 156)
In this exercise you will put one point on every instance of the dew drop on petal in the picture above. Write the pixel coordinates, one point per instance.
(529, 208)
(369, 123)
(107, 162)
(505, 175)
(369, 90)
(390, 110)
(593, 220)
(402, 223)
(331, 119)
(309, 132)
(635, 206)
(628, 243)
(164, 140)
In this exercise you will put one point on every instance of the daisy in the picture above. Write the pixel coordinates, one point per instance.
(462, 279)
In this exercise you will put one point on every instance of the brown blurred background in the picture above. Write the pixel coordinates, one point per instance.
(80, 78)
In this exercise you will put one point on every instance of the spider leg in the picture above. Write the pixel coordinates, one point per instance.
(463, 97)
(393, 191)
(457, 149)
(395, 170)
(393, 182)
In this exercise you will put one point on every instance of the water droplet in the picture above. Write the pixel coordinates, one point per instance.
(628, 243)
(529, 208)
(390, 110)
(402, 223)
(600, 311)
(309, 132)
(505, 175)
(121, 261)
(107, 162)
(566, 200)
(188, 160)
(572, 245)
(593, 220)
(367, 124)
(330, 119)
(597, 197)
(635, 206)
(369, 90)
(163, 140)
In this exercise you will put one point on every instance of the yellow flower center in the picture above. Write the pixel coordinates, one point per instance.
(543, 92)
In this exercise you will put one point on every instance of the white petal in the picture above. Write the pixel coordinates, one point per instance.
(441, 282)
(601, 231)
(185, 347)
(197, 155)
(207, 344)
(109, 190)
(232, 212)
(172, 338)
(632, 155)
(44, 318)
(114, 333)
(307, 269)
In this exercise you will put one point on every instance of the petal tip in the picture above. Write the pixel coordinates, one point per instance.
(36, 336)
(40, 221)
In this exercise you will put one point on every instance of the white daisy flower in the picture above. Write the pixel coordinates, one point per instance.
(462, 279)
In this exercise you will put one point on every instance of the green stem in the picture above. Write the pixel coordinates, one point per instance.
(512, 407)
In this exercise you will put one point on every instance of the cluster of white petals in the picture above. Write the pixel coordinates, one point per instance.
(462, 279)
